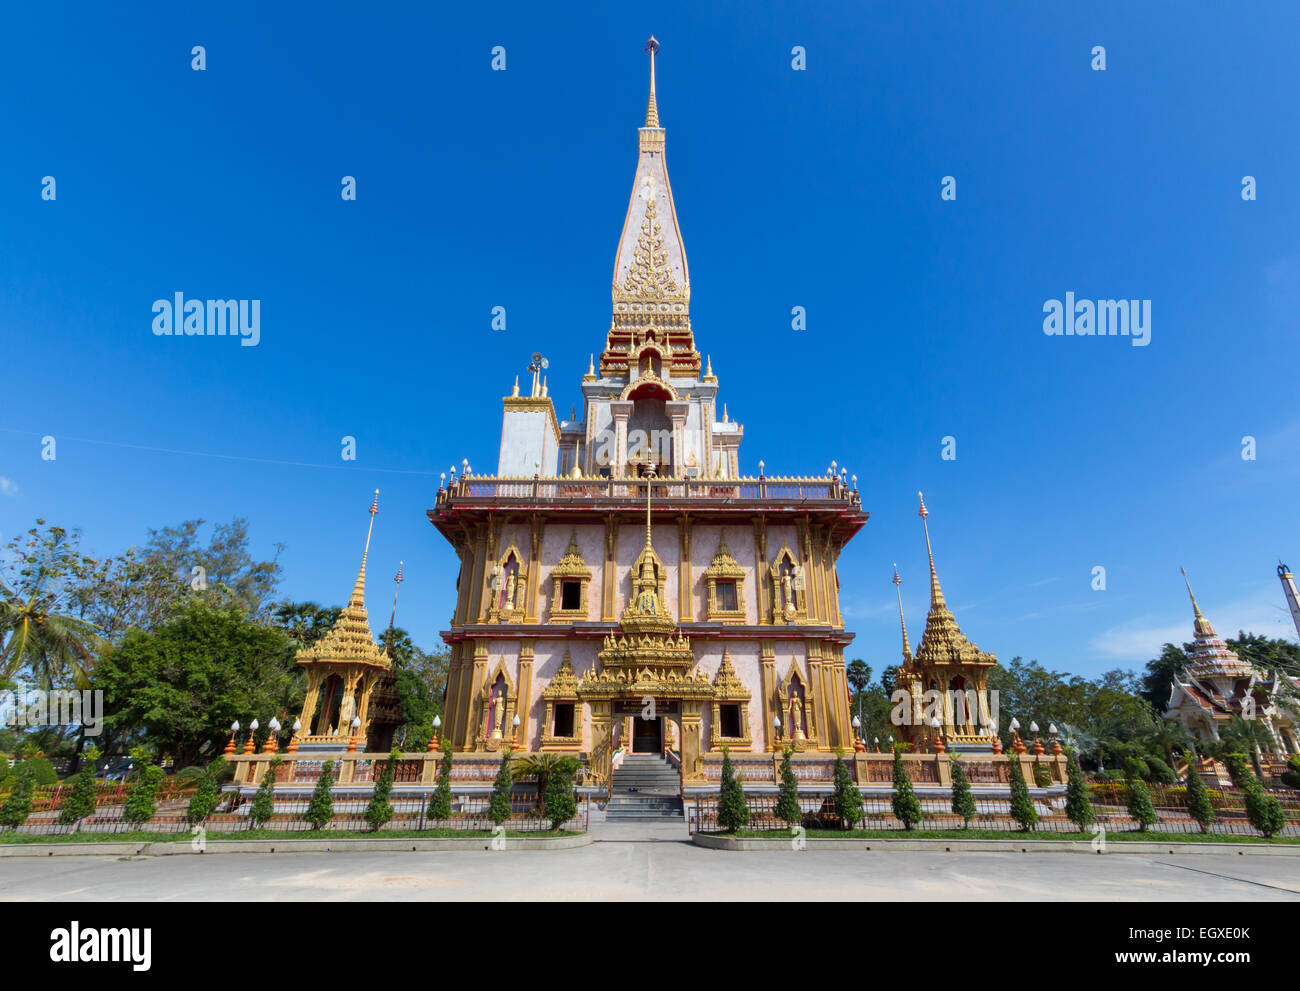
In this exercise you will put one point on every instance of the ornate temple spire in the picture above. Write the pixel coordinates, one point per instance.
(358, 599)
(936, 593)
(1210, 656)
(652, 108)
(651, 290)
(898, 588)
(392, 618)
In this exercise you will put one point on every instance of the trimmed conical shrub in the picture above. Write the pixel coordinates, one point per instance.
(1264, 810)
(1022, 805)
(1078, 802)
(733, 812)
(264, 800)
(80, 803)
(18, 806)
(440, 801)
(207, 795)
(963, 802)
(499, 808)
(907, 807)
(561, 802)
(320, 810)
(379, 811)
(1198, 798)
(142, 799)
(1139, 804)
(848, 797)
(787, 801)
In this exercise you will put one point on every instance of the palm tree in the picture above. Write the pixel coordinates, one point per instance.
(1083, 743)
(42, 641)
(1169, 736)
(541, 766)
(1251, 737)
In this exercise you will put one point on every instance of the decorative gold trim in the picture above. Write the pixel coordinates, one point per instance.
(570, 566)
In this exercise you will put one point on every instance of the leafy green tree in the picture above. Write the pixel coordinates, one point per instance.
(1078, 803)
(379, 811)
(204, 801)
(185, 682)
(142, 797)
(1022, 804)
(963, 802)
(80, 803)
(305, 622)
(1158, 681)
(1139, 804)
(264, 798)
(561, 802)
(499, 808)
(440, 801)
(43, 773)
(733, 811)
(41, 636)
(320, 810)
(18, 806)
(1161, 773)
(540, 767)
(787, 802)
(1264, 811)
(1249, 736)
(1198, 799)
(907, 807)
(847, 796)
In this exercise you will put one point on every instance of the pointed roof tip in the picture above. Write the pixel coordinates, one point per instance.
(652, 108)
(907, 647)
(936, 593)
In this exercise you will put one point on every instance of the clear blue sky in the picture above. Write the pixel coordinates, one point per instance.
(817, 188)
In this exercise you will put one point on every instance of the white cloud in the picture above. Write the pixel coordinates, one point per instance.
(1141, 638)
(8, 487)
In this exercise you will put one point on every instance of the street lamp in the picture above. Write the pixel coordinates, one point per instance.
(352, 740)
(938, 735)
(293, 739)
(433, 740)
(514, 730)
(272, 744)
(249, 746)
(234, 728)
(776, 722)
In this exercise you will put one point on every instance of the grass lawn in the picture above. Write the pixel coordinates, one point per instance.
(274, 834)
(998, 834)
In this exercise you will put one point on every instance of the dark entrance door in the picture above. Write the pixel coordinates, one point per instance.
(647, 736)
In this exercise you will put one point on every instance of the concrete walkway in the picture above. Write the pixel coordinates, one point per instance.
(626, 864)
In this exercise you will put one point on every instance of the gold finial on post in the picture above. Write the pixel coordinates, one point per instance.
(936, 593)
(652, 109)
(898, 588)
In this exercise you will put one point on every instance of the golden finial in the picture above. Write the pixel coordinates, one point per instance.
(359, 589)
(515, 390)
(936, 593)
(1190, 593)
(652, 109)
(647, 507)
(898, 588)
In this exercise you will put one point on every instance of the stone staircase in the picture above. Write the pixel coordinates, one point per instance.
(645, 788)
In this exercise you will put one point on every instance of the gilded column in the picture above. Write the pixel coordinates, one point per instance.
(609, 574)
(817, 684)
(760, 573)
(537, 530)
(470, 689)
(685, 580)
(482, 589)
(525, 692)
(767, 669)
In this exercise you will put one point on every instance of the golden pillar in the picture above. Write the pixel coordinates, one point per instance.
(525, 703)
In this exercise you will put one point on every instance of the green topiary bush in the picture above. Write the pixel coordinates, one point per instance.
(1139, 805)
(142, 798)
(1022, 805)
(733, 811)
(440, 801)
(963, 802)
(1197, 795)
(499, 808)
(561, 801)
(43, 773)
(1078, 800)
(264, 799)
(80, 803)
(207, 795)
(18, 806)
(1135, 768)
(787, 802)
(379, 811)
(320, 810)
(907, 807)
(848, 797)
(1160, 772)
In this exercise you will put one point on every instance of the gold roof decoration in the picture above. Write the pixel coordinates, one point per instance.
(727, 684)
(649, 277)
(564, 685)
(898, 589)
(647, 610)
(1210, 656)
(571, 565)
(943, 642)
(723, 565)
(349, 641)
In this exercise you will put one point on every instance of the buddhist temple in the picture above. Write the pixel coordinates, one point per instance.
(1217, 684)
(623, 587)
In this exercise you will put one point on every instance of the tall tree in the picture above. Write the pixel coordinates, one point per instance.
(1158, 680)
(42, 639)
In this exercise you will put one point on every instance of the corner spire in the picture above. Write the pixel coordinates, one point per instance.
(392, 619)
(359, 589)
(652, 109)
(1202, 625)
(907, 648)
(647, 514)
(936, 593)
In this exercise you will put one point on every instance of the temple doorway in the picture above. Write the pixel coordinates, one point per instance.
(647, 736)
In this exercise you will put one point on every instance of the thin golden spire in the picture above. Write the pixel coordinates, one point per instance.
(936, 593)
(392, 619)
(359, 589)
(1202, 625)
(647, 512)
(652, 109)
(898, 588)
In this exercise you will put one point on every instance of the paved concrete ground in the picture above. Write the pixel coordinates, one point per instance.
(654, 862)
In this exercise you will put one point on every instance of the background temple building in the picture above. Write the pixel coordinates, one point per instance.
(620, 585)
(1217, 685)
